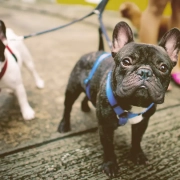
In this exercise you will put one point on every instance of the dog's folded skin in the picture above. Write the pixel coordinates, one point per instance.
(15, 53)
(140, 76)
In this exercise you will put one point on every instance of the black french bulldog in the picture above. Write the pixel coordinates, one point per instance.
(135, 74)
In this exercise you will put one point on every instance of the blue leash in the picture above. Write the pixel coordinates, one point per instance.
(98, 11)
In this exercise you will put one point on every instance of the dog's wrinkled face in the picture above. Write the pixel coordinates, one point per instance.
(142, 71)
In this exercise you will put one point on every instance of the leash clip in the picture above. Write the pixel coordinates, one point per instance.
(124, 114)
(123, 118)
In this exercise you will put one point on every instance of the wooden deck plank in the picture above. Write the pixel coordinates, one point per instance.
(80, 157)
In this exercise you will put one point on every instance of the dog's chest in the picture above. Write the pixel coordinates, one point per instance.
(139, 118)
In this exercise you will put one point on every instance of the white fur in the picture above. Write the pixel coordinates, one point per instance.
(12, 78)
(136, 119)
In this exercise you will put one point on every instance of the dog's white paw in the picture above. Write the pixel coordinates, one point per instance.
(40, 83)
(28, 113)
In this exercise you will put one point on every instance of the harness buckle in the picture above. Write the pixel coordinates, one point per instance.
(86, 81)
(123, 118)
(123, 115)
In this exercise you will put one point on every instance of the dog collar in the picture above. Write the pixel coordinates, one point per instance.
(11, 52)
(3, 70)
(93, 70)
(122, 115)
(5, 42)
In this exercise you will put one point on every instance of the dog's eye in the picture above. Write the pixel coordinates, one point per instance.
(126, 62)
(163, 68)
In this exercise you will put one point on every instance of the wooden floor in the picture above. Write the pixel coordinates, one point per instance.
(34, 149)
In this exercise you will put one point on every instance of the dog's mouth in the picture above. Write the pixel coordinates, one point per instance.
(143, 87)
(142, 91)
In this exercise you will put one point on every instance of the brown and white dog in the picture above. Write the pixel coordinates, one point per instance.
(12, 55)
(133, 13)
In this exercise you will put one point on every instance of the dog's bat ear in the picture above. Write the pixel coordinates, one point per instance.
(171, 43)
(122, 35)
(2, 30)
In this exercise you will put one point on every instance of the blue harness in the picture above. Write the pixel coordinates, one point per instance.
(93, 70)
(122, 115)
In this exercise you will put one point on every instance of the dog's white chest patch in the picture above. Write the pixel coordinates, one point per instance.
(136, 119)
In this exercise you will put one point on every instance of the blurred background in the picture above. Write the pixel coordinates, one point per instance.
(113, 4)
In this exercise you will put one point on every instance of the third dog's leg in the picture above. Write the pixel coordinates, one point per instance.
(28, 62)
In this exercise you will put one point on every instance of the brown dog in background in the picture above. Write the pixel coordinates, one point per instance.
(132, 12)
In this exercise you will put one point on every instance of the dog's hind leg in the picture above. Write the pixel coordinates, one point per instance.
(71, 95)
(28, 62)
(101, 42)
(26, 110)
(84, 105)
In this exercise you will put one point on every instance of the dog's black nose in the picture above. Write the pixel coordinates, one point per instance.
(144, 73)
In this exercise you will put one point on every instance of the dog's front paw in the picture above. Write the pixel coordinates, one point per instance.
(64, 126)
(40, 83)
(28, 113)
(110, 168)
(139, 157)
